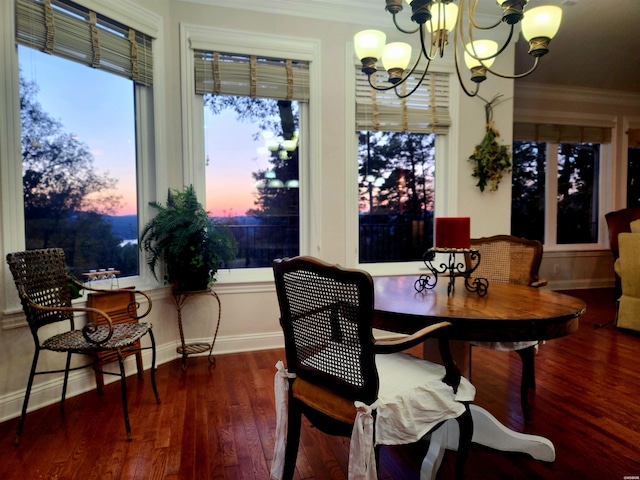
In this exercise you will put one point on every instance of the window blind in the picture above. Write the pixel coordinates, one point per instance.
(540, 132)
(251, 76)
(425, 111)
(68, 30)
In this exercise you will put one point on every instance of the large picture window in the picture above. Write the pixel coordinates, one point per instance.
(252, 110)
(396, 161)
(556, 183)
(252, 175)
(80, 75)
(396, 195)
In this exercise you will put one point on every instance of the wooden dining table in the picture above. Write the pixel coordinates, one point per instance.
(507, 312)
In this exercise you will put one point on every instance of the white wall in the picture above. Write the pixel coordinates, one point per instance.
(249, 310)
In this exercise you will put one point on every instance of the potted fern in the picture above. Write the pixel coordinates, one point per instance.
(192, 245)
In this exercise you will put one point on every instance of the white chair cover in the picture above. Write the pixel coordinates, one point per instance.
(412, 400)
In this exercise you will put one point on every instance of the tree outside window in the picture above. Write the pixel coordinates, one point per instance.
(252, 151)
(575, 169)
(79, 189)
(396, 195)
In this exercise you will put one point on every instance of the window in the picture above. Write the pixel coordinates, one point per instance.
(396, 160)
(253, 176)
(556, 183)
(396, 199)
(252, 109)
(79, 144)
(633, 177)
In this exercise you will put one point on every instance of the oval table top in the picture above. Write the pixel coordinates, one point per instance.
(507, 312)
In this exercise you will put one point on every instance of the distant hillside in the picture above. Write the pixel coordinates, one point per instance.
(124, 226)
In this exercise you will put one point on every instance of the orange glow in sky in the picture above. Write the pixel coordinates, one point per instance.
(232, 155)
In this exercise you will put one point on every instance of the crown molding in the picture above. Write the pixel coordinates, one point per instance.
(575, 94)
(357, 11)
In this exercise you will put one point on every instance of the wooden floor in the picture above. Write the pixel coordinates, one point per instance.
(220, 422)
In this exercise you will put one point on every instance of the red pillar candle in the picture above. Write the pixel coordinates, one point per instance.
(453, 232)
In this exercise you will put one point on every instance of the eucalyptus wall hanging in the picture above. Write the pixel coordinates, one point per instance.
(490, 159)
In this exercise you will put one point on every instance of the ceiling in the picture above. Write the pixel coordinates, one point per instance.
(597, 46)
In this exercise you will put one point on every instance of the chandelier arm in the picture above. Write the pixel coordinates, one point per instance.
(424, 75)
(460, 80)
(402, 80)
(432, 54)
(517, 75)
(471, 13)
(395, 22)
(502, 49)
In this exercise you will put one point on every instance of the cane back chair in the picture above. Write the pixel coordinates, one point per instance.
(341, 379)
(44, 289)
(510, 259)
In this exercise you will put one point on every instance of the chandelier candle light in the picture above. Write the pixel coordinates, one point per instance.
(435, 20)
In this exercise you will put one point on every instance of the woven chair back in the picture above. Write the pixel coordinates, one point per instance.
(508, 259)
(326, 315)
(41, 278)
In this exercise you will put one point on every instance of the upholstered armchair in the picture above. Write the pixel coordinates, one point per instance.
(619, 222)
(627, 266)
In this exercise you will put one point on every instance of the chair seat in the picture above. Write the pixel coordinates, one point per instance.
(124, 335)
(412, 399)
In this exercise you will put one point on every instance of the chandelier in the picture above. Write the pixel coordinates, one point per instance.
(435, 20)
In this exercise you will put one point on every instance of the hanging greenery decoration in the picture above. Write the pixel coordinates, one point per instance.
(491, 160)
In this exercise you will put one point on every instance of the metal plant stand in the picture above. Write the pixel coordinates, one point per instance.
(186, 349)
(452, 268)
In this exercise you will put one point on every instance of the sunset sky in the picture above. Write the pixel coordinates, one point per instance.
(98, 109)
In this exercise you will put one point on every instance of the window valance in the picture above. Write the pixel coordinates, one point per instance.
(424, 111)
(250, 75)
(68, 30)
(541, 132)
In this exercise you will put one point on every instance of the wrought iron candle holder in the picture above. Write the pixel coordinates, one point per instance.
(452, 268)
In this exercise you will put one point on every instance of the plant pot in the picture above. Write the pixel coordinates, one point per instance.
(191, 280)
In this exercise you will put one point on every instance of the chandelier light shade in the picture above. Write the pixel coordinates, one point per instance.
(478, 56)
(539, 26)
(434, 21)
(395, 58)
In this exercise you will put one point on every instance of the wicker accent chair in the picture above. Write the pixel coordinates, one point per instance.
(348, 384)
(44, 289)
(510, 259)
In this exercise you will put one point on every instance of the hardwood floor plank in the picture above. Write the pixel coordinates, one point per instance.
(218, 422)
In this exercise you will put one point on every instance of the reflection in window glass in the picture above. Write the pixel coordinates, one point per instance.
(578, 172)
(252, 175)
(528, 190)
(79, 162)
(576, 166)
(396, 195)
(633, 177)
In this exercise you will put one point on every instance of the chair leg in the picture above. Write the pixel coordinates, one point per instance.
(465, 423)
(153, 366)
(66, 379)
(294, 424)
(123, 386)
(27, 394)
(528, 381)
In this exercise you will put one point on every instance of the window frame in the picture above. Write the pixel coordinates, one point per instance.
(605, 195)
(253, 43)
(446, 173)
(149, 112)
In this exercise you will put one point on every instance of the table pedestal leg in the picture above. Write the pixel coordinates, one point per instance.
(489, 432)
